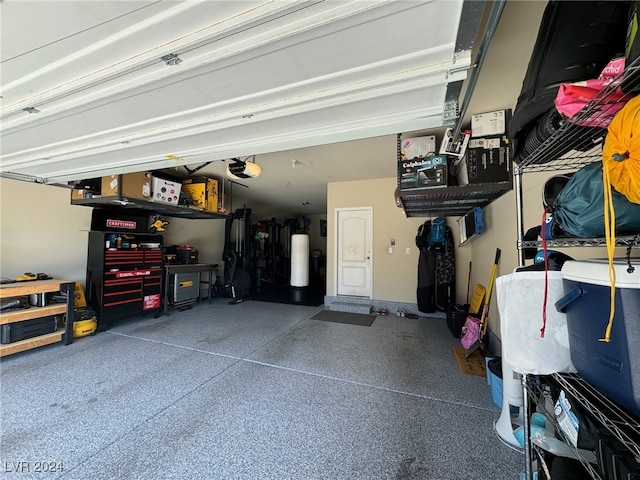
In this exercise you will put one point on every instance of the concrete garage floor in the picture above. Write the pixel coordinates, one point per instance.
(251, 391)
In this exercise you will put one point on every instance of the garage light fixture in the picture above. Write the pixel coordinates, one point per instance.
(239, 169)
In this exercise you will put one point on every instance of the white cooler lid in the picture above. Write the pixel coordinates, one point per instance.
(596, 271)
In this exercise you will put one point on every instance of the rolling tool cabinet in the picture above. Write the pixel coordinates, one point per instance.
(124, 279)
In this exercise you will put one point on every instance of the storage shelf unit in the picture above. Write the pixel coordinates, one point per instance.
(448, 200)
(142, 207)
(20, 289)
(603, 412)
(571, 147)
(622, 241)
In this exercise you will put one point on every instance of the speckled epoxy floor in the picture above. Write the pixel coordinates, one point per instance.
(251, 391)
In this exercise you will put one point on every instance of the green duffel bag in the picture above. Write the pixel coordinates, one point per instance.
(579, 207)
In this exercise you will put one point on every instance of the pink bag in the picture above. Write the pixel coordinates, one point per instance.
(470, 332)
(573, 97)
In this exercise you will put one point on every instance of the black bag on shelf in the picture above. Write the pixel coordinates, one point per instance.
(631, 78)
(575, 42)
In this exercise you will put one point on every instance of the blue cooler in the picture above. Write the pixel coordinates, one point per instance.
(613, 367)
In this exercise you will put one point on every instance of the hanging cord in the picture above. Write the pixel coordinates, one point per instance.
(631, 268)
(543, 235)
(468, 283)
(620, 170)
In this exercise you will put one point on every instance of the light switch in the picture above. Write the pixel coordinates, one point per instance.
(408, 251)
(390, 250)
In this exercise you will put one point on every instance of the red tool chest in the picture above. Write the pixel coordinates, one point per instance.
(124, 275)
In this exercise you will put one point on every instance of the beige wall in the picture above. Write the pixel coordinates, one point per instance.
(206, 235)
(394, 275)
(40, 231)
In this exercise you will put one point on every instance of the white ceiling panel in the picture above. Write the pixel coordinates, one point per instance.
(255, 77)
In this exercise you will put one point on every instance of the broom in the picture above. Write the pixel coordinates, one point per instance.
(484, 318)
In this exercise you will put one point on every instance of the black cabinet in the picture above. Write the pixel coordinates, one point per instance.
(124, 275)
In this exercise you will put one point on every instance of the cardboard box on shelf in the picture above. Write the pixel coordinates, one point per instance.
(490, 123)
(82, 193)
(417, 147)
(424, 172)
(165, 191)
(489, 160)
(130, 185)
(203, 192)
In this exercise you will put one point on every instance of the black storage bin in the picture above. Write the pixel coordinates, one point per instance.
(187, 254)
(456, 317)
(14, 332)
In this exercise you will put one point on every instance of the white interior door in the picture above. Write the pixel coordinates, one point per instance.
(354, 231)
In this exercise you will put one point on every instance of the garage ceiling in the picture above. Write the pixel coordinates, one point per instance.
(92, 88)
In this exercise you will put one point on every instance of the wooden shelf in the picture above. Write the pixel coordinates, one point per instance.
(29, 343)
(17, 289)
(21, 289)
(32, 312)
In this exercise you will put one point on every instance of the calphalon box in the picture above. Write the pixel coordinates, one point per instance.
(203, 192)
(490, 123)
(165, 191)
(489, 160)
(129, 185)
(423, 172)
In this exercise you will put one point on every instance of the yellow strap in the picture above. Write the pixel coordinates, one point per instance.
(610, 239)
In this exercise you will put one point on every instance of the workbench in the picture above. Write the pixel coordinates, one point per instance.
(174, 269)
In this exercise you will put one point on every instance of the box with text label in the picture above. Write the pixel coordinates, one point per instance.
(489, 160)
(165, 191)
(418, 147)
(423, 172)
(490, 123)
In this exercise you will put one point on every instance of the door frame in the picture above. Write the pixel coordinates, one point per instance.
(336, 252)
